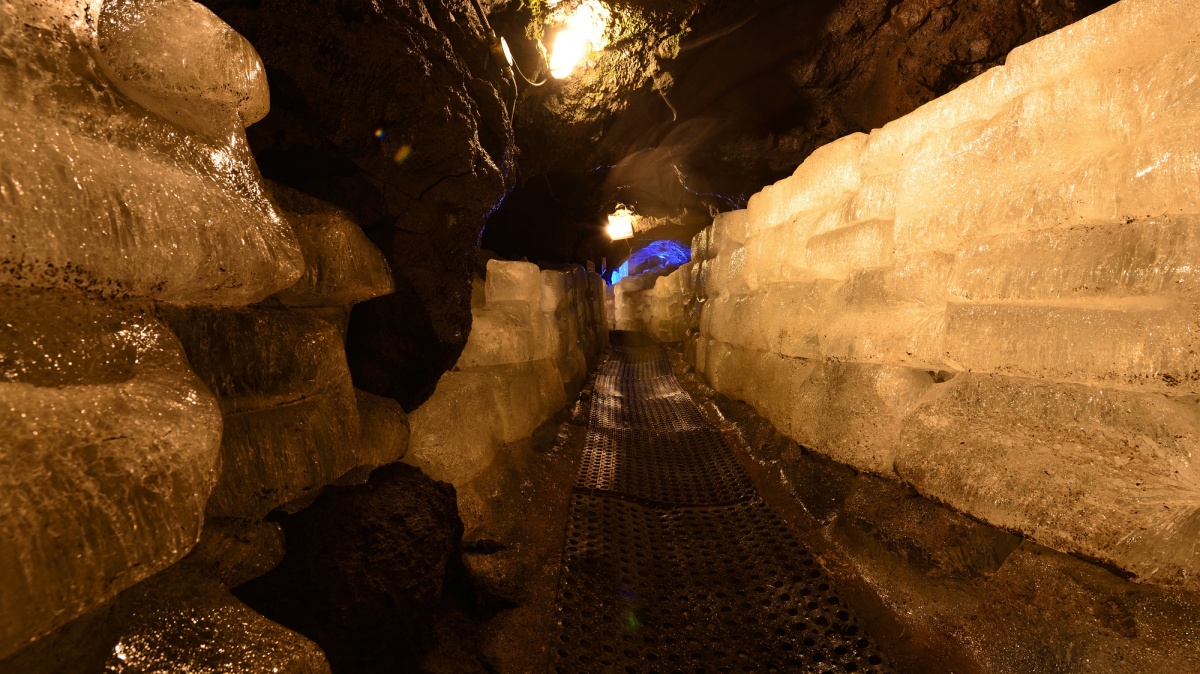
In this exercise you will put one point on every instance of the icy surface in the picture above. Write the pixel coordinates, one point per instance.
(176, 58)
(108, 451)
(184, 622)
(534, 333)
(1105, 473)
(341, 266)
(1039, 224)
(291, 412)
(384, 437)
(100, 192)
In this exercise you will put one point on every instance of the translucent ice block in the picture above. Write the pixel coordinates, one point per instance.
(836, 253)
(554, 291)
(1103, 145)
(778, 255)
(100, 193)
(341, 266)
(730, 229)
(513, 282)
(291, 412)
(108, 451)
(1107, 474)
(700, 244)
(824, 178)
(441, 443)
(910, 334)
(1125, 34)
(508, 332)
(1142, 342)
(890, 147)
(184, 622)
(920, 278)
(1102, 259)
(177, 58)
(457, 433)
(876, 200)
(850, 412)
(384, 430)
(527, 395)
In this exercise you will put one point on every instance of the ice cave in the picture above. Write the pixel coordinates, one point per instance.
(590, 336)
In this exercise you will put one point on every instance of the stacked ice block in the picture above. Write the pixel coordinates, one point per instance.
(991, 298)
(534, 335)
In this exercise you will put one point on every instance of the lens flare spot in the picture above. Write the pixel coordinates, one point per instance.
(630, 621)
(402, 154)
(379, 134)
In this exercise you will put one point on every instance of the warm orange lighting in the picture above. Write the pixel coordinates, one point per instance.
(582, 32)
(620, 224)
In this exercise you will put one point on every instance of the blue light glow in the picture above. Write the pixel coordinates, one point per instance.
(656, 257)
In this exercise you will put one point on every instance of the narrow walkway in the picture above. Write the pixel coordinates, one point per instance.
(672, 563)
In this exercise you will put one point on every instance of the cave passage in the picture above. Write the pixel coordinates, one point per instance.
(671, 560)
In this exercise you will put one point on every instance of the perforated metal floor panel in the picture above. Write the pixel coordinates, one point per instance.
(671, 561)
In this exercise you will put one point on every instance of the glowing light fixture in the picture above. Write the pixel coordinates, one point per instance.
(582, 32)
(620, 224)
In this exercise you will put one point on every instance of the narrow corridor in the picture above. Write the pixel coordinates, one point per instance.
(672, 562)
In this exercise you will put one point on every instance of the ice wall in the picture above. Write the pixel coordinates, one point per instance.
(171, 343)
(992, 298)
(534, 335)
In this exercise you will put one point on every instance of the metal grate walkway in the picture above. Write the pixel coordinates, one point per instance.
(672, 563)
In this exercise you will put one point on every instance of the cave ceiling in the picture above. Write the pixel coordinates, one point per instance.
(694, 105)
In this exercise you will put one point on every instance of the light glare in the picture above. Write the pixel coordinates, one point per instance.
(582, 32)
(620, 225)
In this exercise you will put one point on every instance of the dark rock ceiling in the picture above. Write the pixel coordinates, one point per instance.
(394, 110)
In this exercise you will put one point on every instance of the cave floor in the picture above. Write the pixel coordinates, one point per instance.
(672, 561)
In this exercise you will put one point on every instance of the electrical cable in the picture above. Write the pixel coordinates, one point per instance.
(531, 82)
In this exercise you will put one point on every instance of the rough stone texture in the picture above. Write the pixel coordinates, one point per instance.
(365, 570)
(394, 112)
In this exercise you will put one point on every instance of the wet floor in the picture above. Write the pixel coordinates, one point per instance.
(671, 561)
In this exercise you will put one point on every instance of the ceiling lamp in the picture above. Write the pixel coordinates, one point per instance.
(582, 32)
(620, 224)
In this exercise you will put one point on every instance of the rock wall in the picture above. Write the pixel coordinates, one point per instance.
(535, 335)
(991, 298)
(172, 346)
(396, 112)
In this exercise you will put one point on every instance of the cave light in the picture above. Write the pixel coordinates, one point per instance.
(582, 32)
(620, 224)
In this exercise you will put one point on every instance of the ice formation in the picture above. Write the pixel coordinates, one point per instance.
(991, 298)
(108, 452)
(129, 202)
(534, 333)
(103, 194)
